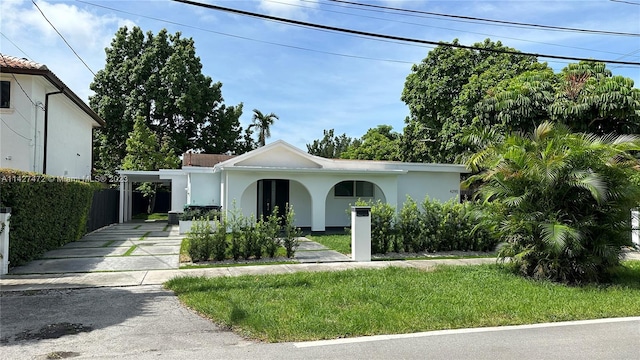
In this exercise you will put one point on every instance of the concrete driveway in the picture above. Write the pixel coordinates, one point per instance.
(119, 247)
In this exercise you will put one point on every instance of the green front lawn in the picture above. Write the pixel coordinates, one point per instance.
(326, 305)
(154, 216)
(339, 243)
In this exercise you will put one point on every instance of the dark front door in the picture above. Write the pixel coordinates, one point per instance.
(272, 193)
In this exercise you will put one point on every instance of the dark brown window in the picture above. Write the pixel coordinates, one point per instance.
(5, 94)
(352, 188)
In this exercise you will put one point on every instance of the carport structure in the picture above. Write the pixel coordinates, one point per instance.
(175, 178)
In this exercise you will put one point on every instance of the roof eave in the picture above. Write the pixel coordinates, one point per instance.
(53, 79)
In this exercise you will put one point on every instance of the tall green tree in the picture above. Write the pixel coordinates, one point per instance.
(331, 146)
(442, 91)
(379, 143)
(566, 199)
(145, 152)
(159, 77)
(584, 96)
(262, 122)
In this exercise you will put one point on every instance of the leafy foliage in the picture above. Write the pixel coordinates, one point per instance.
(380, 143)
(263, 123)
(584, 96)
(566, 199)
(290, 239)
(431, 227)
(46, 212)
(159, 77)
(330, 146)
(442, 91)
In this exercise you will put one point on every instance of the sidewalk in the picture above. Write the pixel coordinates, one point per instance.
(157, 277)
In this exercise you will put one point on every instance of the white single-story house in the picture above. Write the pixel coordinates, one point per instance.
(320, 190)
(45, 128)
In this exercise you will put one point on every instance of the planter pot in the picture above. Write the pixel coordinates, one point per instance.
(185, 226)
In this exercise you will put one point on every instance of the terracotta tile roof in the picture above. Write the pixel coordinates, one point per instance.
(15, 65)
(13, 62)
(204, 160)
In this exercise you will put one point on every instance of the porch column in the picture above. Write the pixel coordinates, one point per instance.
(129, 200)
(318, 211)
(122, 202)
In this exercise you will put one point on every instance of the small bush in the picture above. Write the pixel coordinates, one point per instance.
(220, 240)
(290, 240)
(201, 241)
(270, 231)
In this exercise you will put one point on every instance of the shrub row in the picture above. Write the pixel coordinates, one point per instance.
(431, 226)
(46, 212)
(239, 236)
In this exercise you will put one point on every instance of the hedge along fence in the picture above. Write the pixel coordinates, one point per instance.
(430, 226)
(46, 212)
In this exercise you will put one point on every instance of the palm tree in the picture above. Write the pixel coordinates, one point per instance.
(566, 199)
(263, 123)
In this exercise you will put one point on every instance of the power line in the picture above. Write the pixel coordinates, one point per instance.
(20, 85)
(503, 22)
(63, 39)
(392, 37)
(252, 39)
(626, 2)
(434, 27)
(16, 45)
(15, 132)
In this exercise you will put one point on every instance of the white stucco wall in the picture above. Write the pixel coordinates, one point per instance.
(69, 144)
(205, 189)
(440, 186)
(18, 128)
(69, 147)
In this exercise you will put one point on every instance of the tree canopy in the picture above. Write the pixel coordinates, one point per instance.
(584, 96)
(379, 143)
(330, 146)
(262, 122)
(442, 91)
(159, 77)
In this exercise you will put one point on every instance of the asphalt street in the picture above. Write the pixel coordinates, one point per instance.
(148, 322)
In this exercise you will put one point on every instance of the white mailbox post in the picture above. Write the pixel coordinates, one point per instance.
(5, 214)
(361, 233)
(635, 227)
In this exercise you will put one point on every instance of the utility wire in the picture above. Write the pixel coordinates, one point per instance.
(392, 37)
(503, 22)
(16, 46)
(15, 132)
(63, 39)
(255, 40)
(626, 2)
(20, 85)
(436, 27)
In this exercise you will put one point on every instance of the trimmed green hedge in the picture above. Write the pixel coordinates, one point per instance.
(46, 212)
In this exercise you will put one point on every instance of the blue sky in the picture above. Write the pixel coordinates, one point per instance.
(260, 63)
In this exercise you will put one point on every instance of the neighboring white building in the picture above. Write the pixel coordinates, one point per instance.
(45, 128)
(320, 190)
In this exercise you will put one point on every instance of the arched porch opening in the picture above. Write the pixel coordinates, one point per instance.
(262, 196)
(343, 195)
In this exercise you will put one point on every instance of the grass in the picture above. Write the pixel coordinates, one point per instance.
(145, 235)
(326, 305)
(153, 216)
(339, 243)
(130, 250)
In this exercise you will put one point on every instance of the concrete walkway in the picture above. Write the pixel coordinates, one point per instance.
(157, 277)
